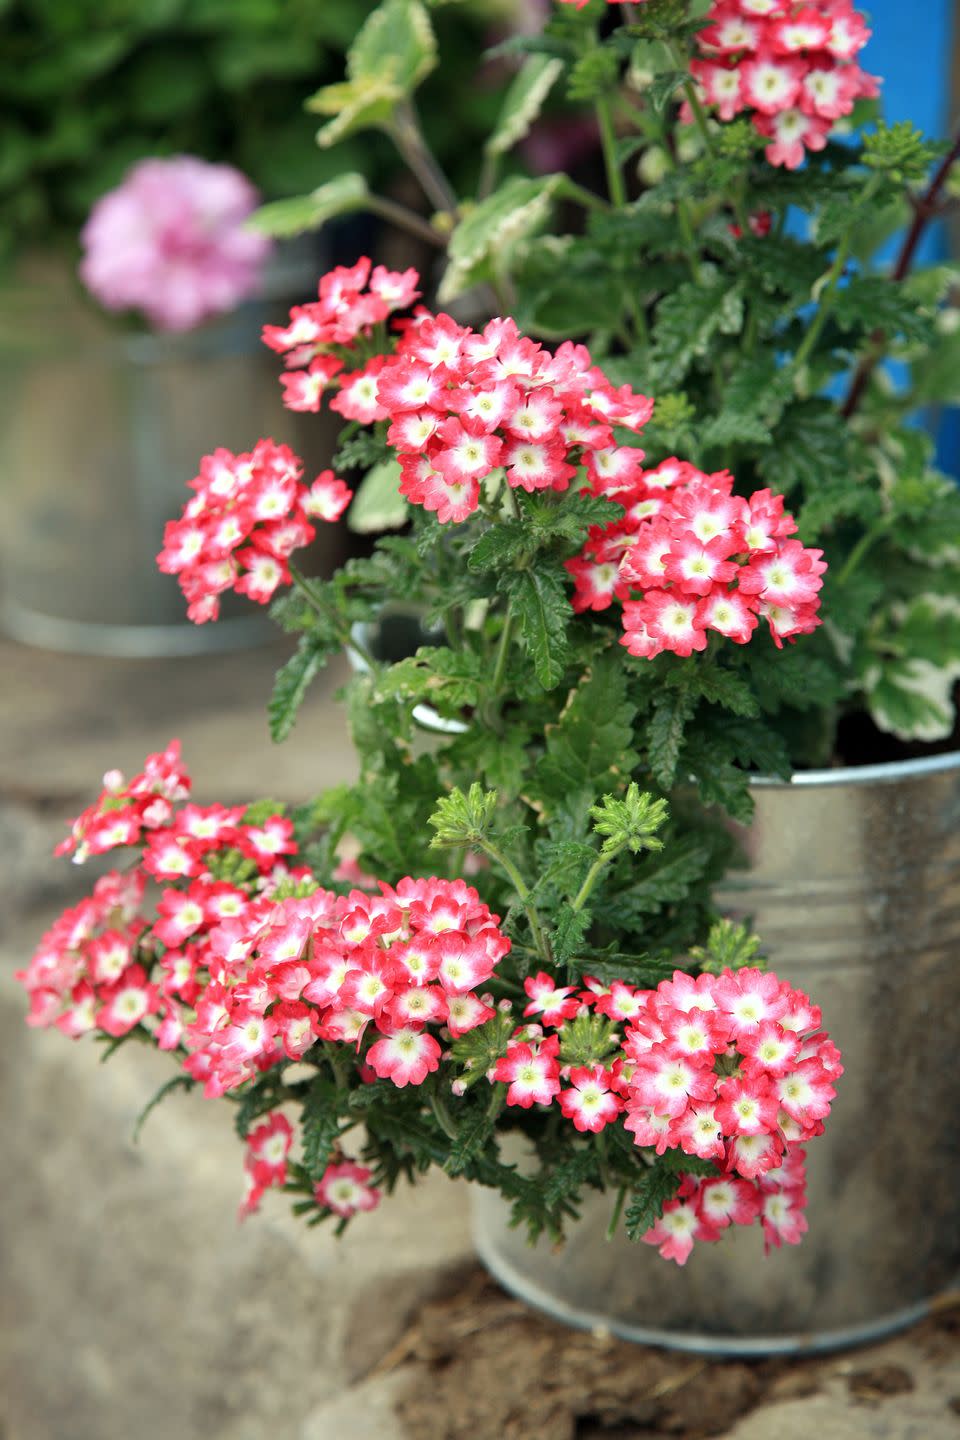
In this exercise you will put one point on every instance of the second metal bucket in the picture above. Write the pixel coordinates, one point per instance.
(854, 888)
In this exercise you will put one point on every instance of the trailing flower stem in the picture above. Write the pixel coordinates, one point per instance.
(523, 895)
(407, 135)
(608, 141)
(828, 293)
(347, 639)
(617, 1211)
(407, 220)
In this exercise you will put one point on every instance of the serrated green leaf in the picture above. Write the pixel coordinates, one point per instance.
(687, 320)
(474, 1128)
(319, 1126)
(647, 1200)
(569, 931)
(871, 302)
(671, 712)
(811, 443)
(293, 681)
(723, 687)
(539, 600)
(308, 212)
(523, 101)
(449, 679)
(566, 1179)
(591, 748)
(664, 879)
(498, 546)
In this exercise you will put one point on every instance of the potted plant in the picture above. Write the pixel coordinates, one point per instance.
(512, 947)
(97, 103)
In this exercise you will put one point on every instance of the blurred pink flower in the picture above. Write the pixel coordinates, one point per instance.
(169, 241)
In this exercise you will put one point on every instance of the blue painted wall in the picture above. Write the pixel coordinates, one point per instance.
(911, 49)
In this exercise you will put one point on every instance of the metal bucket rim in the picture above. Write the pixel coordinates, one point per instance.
(886, 773)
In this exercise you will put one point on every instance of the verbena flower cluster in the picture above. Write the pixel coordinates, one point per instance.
(460, 405)
(353, 303)
(731, 1068)
(171, 241)
(247, 964)
(789, 64)
(249, 514)
(704, 558)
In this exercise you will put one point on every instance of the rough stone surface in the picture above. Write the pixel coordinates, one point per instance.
(131, 1301)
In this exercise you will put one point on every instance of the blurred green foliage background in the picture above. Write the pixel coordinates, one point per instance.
(90, 86)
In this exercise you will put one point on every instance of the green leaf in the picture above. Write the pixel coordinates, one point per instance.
(450, 679)
(523, 102)
(671, 712)
(568, 933)
(912, 698)
(590, 749)
(308, 212)
(474, 1128)
(539, 600)
(872, 302)
(663, 87)
(396, 43)
(811, 443)
(499, 546)
(293, 681)
(362, 104)
(378, 504)
(687, 320)
(319, 1126)
(664, 880)
(566, 1178)
(647, 1200)
(483, 242)
(723, 687)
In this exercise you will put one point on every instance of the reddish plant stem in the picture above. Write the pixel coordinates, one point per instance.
(923, 211)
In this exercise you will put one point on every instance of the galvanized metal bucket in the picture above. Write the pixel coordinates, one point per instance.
(854, 886)
(101, 430)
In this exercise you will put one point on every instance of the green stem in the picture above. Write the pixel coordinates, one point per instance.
(443, 1117)
(503, 649)
(617, 1211)
(406, 219)
(827, 295)
(330, 616)
(523, 895)
(828, 292)
(572, 191)
(593, 874)
(608, 141)
(863, 545)
(408, 137)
